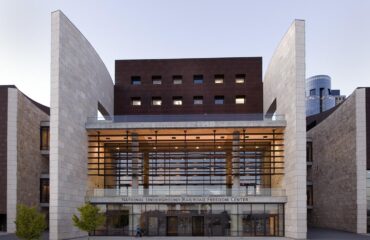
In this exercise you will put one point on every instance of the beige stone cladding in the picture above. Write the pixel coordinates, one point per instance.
(79, 83)
(27, 164)
(339, 168)
(284, 82)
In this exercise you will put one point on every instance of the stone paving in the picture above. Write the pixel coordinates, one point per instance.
(313, 233)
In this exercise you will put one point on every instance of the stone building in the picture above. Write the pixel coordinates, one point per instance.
(24, 155)
(338, 164)
(181, 147)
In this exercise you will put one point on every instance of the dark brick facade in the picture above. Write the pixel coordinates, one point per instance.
(3, 145)
(368, 127)
(166, 69)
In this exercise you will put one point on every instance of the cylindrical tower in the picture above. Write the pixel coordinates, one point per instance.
(318, 95)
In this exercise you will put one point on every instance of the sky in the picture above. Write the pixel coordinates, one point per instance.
(337, 35)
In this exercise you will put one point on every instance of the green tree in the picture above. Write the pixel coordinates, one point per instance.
(29, 223)
(90, 218)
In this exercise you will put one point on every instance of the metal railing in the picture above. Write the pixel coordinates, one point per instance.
(186, 118)
(129, 192)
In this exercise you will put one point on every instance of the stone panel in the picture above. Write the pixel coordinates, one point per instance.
(339, 168)
(11, 176)
(284, 82)
(29, 160)
(79, 82)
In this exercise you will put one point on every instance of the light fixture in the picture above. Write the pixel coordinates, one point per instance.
(257, 147)
(196, 147)
(176, 147)
(154, 147)
(117, 148)
(240, 147)
(218, 147)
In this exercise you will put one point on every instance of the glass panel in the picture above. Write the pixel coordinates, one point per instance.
(44, 190)
(239, 100)
(177, 80)
(240, 78)
(44, 139)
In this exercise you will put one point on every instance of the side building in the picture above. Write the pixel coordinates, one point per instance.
(24, 155)
(338, 165)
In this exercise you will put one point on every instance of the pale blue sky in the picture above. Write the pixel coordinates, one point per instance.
(337, 34)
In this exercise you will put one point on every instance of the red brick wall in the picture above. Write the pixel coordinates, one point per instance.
(3, 145)
(252, 89)
(368, 127)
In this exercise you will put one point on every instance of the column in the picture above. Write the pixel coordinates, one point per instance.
(235, 162)
(146, 173)
(135, 163)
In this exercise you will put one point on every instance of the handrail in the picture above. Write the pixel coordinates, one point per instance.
(186, 118)
(129, 192)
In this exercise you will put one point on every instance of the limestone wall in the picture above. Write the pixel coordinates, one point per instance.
(79, 82)
(30, 160)
(284, 82)
(338, 169)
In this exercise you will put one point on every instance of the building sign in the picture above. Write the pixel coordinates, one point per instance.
(185, 199)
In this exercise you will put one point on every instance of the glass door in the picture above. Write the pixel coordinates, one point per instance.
(198, 225)
(172, 226)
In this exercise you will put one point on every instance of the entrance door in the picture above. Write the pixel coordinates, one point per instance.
(153, 226)
(198, 225)
(172, 226)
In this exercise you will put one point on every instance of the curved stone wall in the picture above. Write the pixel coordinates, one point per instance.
(79, 82)
(284, 82)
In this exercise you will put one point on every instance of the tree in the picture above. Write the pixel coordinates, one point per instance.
(29, 223)
(90, 218)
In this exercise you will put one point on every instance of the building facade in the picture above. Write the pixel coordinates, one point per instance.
(338, 157)
(24, 155)
(179, 147)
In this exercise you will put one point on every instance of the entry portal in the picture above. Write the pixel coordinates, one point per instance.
(237, 219)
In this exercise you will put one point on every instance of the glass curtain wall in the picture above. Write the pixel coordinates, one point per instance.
(197, 162)
(193, 219)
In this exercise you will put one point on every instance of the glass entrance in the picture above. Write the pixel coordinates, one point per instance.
(172, 226)
(198, 226)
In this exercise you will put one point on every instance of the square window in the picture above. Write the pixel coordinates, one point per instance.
(219, 100)
(219, 79)
(156, 101)
(177, 101)
(156, 80)
(239, 99)
(135, 80)
(312, 92)
(135, 101)
(198, 79)
(177, 79)
(240, 78)
(198, 100)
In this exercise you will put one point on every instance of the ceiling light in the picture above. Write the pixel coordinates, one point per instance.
(154, 147)
(218, 147)
(176, 147)
(197, 147)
